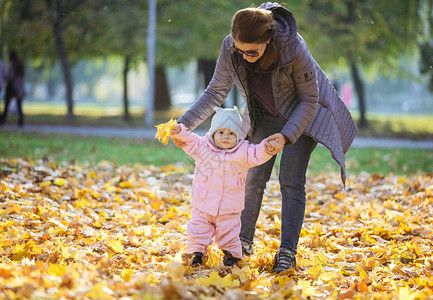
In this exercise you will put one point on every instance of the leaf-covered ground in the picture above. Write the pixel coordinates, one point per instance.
(119, 232)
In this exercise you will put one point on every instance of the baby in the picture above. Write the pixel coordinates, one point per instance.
(222, 159)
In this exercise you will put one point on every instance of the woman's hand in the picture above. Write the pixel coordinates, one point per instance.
(275, 143)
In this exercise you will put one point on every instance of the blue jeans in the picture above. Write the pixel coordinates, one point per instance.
(292, 177)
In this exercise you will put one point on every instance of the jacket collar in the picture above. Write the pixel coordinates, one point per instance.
(286, 31)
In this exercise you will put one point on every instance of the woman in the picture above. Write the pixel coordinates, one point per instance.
(14, 86)
(288, 97)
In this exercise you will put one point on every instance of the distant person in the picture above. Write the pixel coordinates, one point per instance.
(222, 159)
(14, 87)
(346, 93)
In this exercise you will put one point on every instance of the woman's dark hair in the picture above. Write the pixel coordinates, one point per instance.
(255, 25)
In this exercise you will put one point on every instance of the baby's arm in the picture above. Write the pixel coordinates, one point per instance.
(182, 138)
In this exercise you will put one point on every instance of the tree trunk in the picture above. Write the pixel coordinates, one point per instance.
(359, 87)
(162, 95)
(206, 69)
(60, 46)
(235, 96)
(127, 61)
(51, 84)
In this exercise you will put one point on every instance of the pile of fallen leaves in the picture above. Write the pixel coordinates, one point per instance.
(101, 231)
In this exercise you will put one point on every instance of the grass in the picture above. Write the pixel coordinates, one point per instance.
(63, 148)
(126, 151)
(60, 148)
(416, 127)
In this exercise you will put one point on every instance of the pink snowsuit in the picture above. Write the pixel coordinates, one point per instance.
(218, 191)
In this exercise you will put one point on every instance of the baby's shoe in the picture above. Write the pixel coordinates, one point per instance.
(229, 260)
(197, 259)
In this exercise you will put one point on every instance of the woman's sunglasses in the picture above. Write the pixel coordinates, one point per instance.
(247, 53)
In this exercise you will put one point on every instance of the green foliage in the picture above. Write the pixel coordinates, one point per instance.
(374, 34)
(185, 30)
(192, 29)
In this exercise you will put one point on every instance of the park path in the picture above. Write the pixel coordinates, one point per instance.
(149, 133)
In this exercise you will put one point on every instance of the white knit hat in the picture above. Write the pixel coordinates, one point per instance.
(226, 118)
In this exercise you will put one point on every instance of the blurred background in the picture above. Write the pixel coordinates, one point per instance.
(88, 58)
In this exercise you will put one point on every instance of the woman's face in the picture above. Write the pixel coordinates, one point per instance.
(255, 50)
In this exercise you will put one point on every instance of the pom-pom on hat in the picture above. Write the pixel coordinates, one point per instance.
(226, 118)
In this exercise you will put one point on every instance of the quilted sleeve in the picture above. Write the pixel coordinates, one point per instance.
(305, 79)
(192, 140)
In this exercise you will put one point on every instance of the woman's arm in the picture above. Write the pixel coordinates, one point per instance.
(305, 79)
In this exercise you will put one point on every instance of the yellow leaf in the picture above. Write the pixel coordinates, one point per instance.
(110, 188)
(97, 224)
(240, 274)
(92, 174)
(176, 271)
(126, 274)
(404, 292)
(89, 182)
(59, 182)
(45, 183)
(156, 204)
(163, 131)
(215, 280)
(100, 291)
(126, 185)
(115, 245)
(56, 270)
(305, 286)
(15, 208)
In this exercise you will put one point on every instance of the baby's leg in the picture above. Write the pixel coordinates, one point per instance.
(200, 229)
(227, 232)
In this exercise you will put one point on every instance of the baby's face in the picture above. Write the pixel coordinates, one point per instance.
(225, 138)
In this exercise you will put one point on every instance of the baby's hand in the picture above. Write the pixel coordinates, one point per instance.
(176, 129)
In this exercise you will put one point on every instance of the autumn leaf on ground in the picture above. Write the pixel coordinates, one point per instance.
(115, 245)
(107, 231)
(163, 131)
